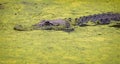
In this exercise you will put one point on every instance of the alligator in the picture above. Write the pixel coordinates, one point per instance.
(65, 24)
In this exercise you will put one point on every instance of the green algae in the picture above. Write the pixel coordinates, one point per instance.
(86, 45)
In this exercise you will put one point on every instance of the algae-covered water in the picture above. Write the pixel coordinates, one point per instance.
(86, 45)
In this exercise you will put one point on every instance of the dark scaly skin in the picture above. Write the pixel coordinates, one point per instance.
(103, 18)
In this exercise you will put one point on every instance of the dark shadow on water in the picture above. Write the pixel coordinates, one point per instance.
(115, 26)
(84, 25)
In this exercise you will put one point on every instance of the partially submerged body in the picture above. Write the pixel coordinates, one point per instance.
(65, 24)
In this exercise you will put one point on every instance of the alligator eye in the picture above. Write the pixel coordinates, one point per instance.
(47, 23)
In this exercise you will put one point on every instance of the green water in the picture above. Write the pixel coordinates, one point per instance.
(86, 45)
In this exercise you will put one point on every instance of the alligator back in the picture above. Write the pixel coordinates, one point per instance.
(103, 18)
